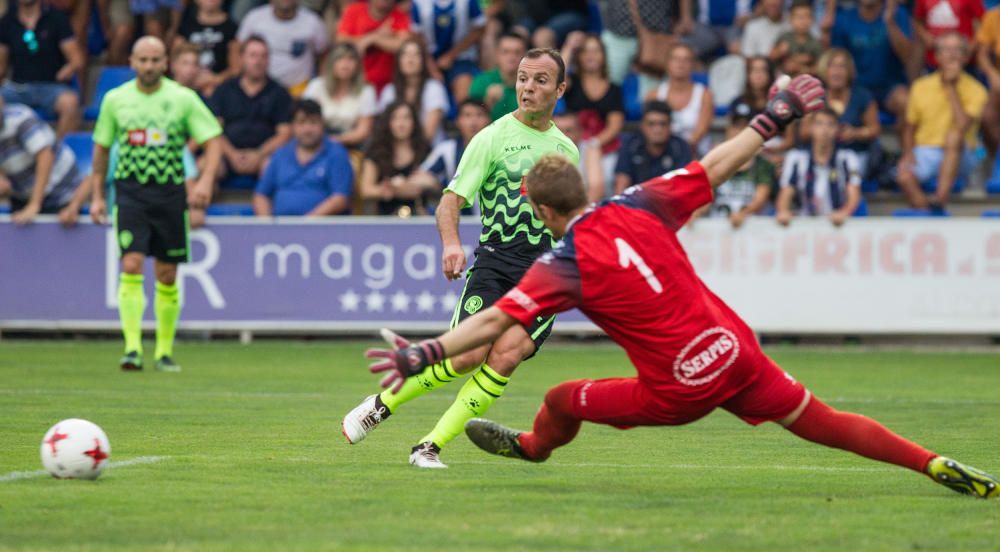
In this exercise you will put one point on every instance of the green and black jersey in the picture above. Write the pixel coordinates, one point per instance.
(152, 131)
(492, 166)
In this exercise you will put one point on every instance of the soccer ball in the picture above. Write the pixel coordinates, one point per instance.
(75, 449)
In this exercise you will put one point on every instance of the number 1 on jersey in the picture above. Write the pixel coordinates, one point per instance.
(628, 257)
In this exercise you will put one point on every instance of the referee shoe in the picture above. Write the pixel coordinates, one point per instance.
(131, 362)
(167, 364)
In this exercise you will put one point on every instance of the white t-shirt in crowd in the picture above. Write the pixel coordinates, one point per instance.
(759, 36)
(341, 114)
(295, 44)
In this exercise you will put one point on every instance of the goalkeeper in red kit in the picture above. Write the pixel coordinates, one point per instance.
(621, 264)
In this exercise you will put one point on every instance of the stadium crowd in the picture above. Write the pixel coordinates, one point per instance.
(334, 107)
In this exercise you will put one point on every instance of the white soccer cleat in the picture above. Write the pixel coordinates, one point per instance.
(365, 417)
(426, 455)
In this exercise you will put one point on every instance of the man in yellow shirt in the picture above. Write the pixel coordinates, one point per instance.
(942, 122)
(988, 60)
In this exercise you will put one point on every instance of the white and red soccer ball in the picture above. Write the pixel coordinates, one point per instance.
(75, 449)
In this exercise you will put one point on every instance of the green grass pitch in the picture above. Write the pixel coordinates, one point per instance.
(244, 452)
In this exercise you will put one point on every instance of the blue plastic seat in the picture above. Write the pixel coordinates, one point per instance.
(82, 146)
(630, 92)
(917, 213)
(239, 182)
(991, 213)
(110, 77)
(862, 209)
(993, 184)
(230, 210)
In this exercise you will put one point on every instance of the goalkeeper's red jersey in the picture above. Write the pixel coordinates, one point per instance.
(621, 264)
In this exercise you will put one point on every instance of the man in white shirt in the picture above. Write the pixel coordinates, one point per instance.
(762, 32)
(295, 37)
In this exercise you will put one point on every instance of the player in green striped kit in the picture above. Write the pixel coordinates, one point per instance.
(492, 166)
(151, 118)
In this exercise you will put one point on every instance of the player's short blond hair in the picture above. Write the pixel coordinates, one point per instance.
(555, 182)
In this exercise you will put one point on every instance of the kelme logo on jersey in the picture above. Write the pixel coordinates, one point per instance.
(147, 137)
(473, 304)
(125, 239)
(706, 356)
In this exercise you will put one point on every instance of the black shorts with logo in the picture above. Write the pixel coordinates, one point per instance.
(152, 219)
(489, 279)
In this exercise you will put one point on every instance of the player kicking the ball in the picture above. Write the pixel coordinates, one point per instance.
(622, 265)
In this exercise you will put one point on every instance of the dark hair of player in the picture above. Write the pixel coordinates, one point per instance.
(555, 182)
(536, 53)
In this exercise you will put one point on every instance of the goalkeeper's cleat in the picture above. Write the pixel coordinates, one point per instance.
(365, 417)
(427, 455)
(131, 362)
(496, 439)
(963, 479)
(167, 364)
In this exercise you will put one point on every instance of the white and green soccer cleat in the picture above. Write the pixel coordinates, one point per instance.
(963, 479)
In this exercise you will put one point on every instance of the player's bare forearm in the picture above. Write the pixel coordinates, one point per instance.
(482, 328)
(726, 159)
(447, 218)
(213, 157)
(99, 171)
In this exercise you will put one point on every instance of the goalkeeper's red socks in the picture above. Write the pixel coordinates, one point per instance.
(555, 423)
(859, 434)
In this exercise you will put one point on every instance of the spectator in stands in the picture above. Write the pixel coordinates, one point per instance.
(942, 120)
(823, 179)
(877, 35)
(348, 102)
(254, 111)
(797, 50)
(855, 107)
(396, 150)
(620, 38)
(691, 105)
(412, 82)
(762, 32)
(377, 28)
(310, 176)
(496, 88)
(213, 34)
(451, 29)
(598, 185)
(597, 102)
(296, 37)
(184, 68)
(652, 152)
(725, 19)
(760, 74)
(749, 190)
(37, 172)
(549, 23)
(437, 170)
(37, 44)
(933, 18)
(154, 13)
(117, 24)
(988, 60)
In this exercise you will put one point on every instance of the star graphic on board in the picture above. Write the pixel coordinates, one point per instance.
(448, 301)
(349, 301)
(425, 302)
(55, 438)
(374, 301)
(96, 453)
(400, 301)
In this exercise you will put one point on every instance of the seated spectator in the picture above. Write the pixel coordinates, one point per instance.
(437, 170)
(652, 152)
(296, 36)
(396, 150)
(942, 120)
(749, 190)
(762, 32)
(760, 75)
(213, 34)
(821, 180)
(184, 68)
(797, 50)
(725, 19)
(451, 29)
(988, 61)
(254, 111)
(596, 101)
(691, 105)
(119, 28)
(496, 88)
(549, 23)
(878, 39)
(412, 83)
(934, 18)
(598, 186)
(310, 176)
(37, 44)
(377, 28)
(37, 172)
(855, 107)
(348, 102)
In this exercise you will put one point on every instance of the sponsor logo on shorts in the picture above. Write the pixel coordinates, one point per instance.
(177, 252)
(706, 356)
(125, 239)
(473, 304)
(521, 298)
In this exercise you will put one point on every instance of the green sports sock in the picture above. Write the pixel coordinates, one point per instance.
(431, 378)
(131, 305)
(168, 310)
(475, 398)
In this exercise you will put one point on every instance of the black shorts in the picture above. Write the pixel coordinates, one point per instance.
(152, 219)
(485, 284)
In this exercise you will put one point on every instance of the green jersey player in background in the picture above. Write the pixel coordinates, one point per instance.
(151, 118)
(491, 167)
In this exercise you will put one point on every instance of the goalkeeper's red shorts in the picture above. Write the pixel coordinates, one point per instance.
(627, 402)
